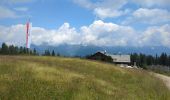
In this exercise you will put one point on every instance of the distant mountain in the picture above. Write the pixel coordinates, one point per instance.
(81, 50)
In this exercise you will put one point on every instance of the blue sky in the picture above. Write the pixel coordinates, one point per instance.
(50, 13)
(88, 22)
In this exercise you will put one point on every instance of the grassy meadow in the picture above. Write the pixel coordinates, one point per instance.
(49, 78)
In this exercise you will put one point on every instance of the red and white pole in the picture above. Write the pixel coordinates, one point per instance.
(28, 35)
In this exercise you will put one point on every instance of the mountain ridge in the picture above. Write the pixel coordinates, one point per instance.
(83, 50)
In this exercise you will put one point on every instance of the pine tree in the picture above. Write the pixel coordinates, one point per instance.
(16, 50)
(24, 50)
(142, 60)
(53, 53)
(156, 60)
(58, 54)
(21, 50)
(27, 51)
(5, 49)
(150, 60)
(30, 52)
(11, 50)
(47, 53)
(163, 59)
(34, 52)
(169, 60)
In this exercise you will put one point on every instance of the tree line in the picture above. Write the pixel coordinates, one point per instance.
(15, 50)
(143, 60)
(48, 53)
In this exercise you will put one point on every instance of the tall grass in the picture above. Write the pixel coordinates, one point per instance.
(46, 78)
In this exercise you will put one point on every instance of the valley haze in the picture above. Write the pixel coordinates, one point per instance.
(82, 50)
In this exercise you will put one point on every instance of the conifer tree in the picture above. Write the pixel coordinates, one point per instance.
(53, 53)
(5, 49)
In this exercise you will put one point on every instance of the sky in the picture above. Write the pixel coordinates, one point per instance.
(86, 22)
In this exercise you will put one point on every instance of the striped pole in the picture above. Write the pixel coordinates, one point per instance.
(28, 35)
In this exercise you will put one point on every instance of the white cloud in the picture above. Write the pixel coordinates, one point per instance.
(13, 8)
(106, 34)
(15, 1)
(104, 8)
(23, 9)
(7, 13)
(156, 36)
(85, 3)
(109, 13)
(152, 3)
(14, 34)
(65, 34)
(115, 8)
(19, 1)
(12, 13)
(149, 16)
(98, 33)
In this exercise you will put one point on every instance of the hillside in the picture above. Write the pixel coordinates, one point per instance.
(46, 78)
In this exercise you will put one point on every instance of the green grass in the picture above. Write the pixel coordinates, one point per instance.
(48, 78)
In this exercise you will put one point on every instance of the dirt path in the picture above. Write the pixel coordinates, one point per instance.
(166, 79)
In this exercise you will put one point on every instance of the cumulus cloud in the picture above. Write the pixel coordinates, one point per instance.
(98, 33)
(106, 34)
(149, 16)
(14, 34)
(104, 8)
(65, 34)
(156, 36)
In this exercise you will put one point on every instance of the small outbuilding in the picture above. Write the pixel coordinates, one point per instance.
(121, 59)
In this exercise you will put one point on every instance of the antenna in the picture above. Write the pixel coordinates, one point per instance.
(28, 34)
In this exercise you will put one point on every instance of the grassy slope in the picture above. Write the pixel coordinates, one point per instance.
(23, 77)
